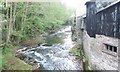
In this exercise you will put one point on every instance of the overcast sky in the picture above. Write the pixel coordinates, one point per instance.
(79, 5)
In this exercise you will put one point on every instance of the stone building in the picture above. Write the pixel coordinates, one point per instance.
(101, 34)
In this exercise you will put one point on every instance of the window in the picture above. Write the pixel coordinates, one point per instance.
(115, 49)
(111, 48)
(107, 47)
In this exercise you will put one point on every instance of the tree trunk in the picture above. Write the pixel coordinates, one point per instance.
(9, 24)
(14, 14)
(24, 18)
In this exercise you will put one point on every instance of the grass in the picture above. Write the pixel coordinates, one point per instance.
(75, 51)
(1, 60)
(17, 64)
(9, 62)
(74, 36)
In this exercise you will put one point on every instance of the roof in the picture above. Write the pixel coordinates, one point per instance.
(89, 2)
(101, 9)
(118, 1)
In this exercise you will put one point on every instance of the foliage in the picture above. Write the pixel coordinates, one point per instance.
(5, 52)
(9, 62)
(26, 20)
(17, 64)
(76, 50)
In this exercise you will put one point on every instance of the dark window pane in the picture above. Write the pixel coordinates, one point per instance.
(111, 48)
(115, 49)
(106, 47)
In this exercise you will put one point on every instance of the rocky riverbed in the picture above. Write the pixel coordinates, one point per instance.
(53, 56)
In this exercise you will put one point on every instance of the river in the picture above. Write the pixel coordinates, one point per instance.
(55, 56)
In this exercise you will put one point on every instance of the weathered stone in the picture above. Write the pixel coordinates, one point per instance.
(98, 59)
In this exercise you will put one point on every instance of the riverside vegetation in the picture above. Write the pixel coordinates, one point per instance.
(22, 23)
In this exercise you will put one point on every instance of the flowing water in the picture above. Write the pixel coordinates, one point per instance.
(54, 56)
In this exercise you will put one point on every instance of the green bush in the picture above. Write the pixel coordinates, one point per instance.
(6, 50)
(75, 51)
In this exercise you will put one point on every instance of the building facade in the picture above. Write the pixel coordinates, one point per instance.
(101, 35)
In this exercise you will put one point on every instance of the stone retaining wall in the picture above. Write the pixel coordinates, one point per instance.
(99, 58)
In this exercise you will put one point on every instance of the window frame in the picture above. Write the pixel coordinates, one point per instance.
(109, 51)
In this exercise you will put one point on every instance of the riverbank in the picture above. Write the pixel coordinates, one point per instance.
(33, 43)
(8, 61)
(54, 56)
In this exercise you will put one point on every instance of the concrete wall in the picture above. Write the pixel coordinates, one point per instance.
(99, 58)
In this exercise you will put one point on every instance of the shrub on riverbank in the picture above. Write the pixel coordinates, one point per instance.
(9, 62)
(75, 50)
